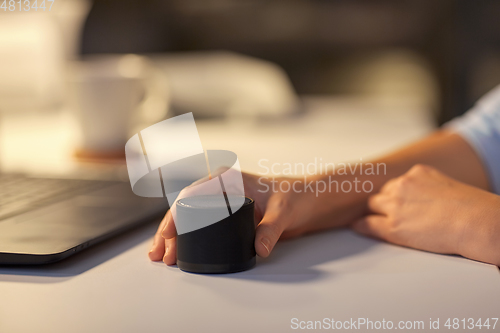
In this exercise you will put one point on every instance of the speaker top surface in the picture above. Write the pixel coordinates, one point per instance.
(207, 202)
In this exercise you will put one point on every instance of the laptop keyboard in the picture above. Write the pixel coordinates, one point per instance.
(19, 194)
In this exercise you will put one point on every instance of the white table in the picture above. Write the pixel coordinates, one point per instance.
(113, 287)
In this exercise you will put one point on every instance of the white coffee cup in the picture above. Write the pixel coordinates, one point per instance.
(109, 94)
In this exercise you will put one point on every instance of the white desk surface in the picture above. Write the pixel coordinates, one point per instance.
(113, 287)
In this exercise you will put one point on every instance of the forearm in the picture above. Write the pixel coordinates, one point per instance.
(445, 151)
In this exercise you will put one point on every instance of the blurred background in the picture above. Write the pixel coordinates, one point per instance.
(442, 53)
(268, 61)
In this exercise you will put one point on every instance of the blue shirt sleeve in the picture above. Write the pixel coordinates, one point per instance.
(480, 127)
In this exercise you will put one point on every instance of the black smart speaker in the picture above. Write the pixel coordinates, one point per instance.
(226, 246)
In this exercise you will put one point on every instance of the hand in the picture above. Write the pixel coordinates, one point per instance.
(273, 210)
(279, 215)
(427, 210)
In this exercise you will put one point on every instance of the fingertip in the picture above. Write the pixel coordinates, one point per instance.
(170, 254)
(263, 247)
(157, 249)
(168, 259)
(154, 255)
(267, 235)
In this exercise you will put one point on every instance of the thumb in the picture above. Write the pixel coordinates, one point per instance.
(269, 231)
(375, 226)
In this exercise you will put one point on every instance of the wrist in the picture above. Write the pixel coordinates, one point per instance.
(335, 200)
(481, 233)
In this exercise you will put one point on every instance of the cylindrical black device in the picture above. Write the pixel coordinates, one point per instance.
(226, 246)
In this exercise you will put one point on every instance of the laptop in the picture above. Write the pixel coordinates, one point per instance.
(44, 220)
